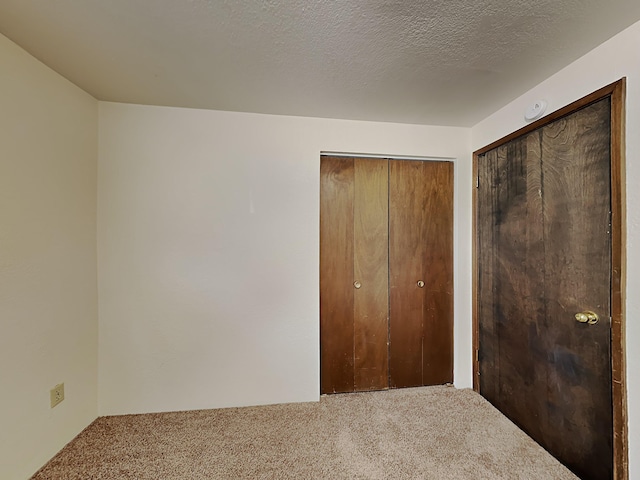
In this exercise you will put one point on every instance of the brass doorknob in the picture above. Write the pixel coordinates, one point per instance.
(420, 283)
(357, 284)
(587, 317)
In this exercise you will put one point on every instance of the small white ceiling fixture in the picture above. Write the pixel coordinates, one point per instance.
(535, 110)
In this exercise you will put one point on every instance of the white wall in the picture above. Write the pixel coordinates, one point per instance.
(612, 60)
(48, 292)
(208, 246)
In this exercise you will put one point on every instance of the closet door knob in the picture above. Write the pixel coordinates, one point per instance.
(420, 283)
(357, 284)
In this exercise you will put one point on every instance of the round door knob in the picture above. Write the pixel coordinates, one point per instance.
(420, 283)
(587, 317)
(582, 317)
(357, 284)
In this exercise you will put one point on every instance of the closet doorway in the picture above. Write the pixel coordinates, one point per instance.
(386, 273)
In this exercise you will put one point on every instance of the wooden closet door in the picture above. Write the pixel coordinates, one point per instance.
(337, 191)
(353, 274)
(420, 273)
(371, 252)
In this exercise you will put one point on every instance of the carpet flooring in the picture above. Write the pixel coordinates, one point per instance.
(417, 433)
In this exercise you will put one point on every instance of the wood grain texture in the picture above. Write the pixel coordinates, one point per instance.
(420, 248)
(576, 203)
(407, 217)
(336, 275)
(371, 308)
(475, 345)
(510, 286)
(543, 254)
(618, 281)
(437, 346)
(387, 225)
(616, 92)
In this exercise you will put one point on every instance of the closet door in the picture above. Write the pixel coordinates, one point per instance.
(353, 274)
(336, 274)
(371, 274)
(420, 273)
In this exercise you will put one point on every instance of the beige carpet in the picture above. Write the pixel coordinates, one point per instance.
(418, 433)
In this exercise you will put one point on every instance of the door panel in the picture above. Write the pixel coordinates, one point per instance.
(511, 299)
(437, 363)
(544, 254)
(336, 274)
(576, 205)
(371, 229)
(407, 217)
(420, 249)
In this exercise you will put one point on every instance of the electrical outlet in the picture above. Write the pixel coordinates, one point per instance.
(57, 394)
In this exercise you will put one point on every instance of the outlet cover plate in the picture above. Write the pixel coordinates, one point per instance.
(57, 394)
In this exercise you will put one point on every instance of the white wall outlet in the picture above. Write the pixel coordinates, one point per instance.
(57, 394)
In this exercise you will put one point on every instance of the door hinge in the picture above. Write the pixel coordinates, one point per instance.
(609, 224)
(477, 355)
(477, 180)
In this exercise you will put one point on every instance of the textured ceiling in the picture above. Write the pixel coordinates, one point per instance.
(440, 62)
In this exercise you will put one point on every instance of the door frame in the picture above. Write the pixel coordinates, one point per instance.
(617, 92)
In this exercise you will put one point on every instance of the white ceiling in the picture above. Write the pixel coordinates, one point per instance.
(439, 62)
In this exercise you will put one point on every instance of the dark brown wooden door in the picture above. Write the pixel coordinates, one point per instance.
(382, 219)
(544, 255)
(420, 273)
